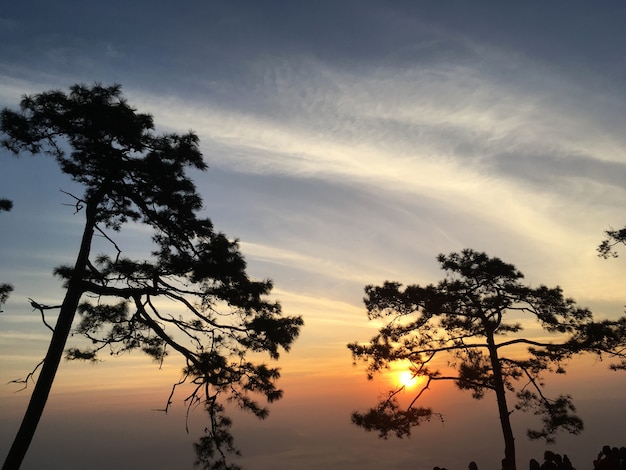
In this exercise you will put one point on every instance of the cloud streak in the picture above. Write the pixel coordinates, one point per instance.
(459, 137)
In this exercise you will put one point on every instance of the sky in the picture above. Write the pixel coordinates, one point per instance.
(349, 142)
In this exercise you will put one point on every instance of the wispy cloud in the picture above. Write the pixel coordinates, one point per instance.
(464, 138)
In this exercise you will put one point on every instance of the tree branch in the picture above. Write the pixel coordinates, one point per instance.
(41, 308)
(28, 377)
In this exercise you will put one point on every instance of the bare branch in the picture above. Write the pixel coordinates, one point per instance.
(111, 241)
(41, 308)
(79, 203)
(30, 376)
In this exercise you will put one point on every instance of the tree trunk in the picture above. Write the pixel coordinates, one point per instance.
(55, 350)
(503, 409)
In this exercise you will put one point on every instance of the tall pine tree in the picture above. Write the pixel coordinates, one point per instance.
(130, 175)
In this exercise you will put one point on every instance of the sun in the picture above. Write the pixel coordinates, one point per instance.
(406, 379)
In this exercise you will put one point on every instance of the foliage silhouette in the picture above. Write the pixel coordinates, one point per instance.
(5, 289)
(465, 319)
(6, 205)
(131, 175)
(606, 249)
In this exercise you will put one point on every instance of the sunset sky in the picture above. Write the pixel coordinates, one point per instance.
(349, 142)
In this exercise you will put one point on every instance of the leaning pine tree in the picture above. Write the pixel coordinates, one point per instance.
(131, 175)
(465, 320)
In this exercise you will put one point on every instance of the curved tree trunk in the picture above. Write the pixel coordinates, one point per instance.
(503, 409)
(53, 357)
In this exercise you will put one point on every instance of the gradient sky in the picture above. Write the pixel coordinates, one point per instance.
(349, 142)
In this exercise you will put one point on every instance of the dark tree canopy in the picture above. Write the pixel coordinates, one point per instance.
(6, 205)
(5, 289)
(465, 319)
(191, 295)
(613, 238)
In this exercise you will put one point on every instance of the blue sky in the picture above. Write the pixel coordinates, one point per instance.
(349, 142)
